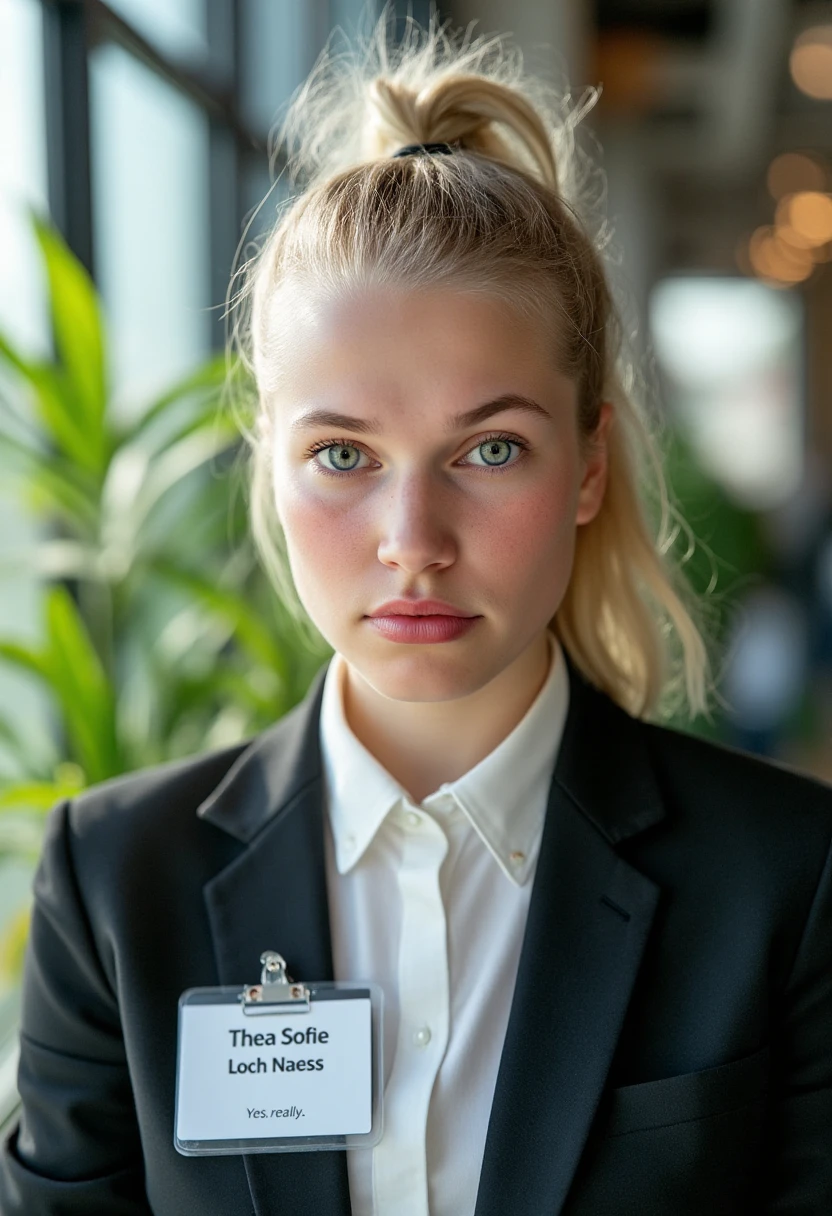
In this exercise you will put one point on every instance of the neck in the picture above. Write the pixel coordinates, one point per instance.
(423, 744)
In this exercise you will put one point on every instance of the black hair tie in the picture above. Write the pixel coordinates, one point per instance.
(421, 149)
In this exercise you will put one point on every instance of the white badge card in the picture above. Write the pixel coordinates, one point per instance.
(267, 1074)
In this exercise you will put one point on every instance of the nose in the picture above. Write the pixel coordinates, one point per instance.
(416, 528)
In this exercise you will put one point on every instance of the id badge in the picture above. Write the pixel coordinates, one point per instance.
(278, 1067)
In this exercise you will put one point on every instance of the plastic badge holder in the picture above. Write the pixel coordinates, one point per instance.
(275, 1055)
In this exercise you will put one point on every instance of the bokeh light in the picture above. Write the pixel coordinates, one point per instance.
(810, 215)
(794, 171)
(774, 260)
(811, 62)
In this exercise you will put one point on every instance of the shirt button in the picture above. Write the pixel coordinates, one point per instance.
(421, 1037)
(517, 858)
(349, 842)
(413, 820)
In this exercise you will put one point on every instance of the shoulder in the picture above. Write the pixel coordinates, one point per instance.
(728, 768)
(163, 796)
(763, 803)
(141, 829)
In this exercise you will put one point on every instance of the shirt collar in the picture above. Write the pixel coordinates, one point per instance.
(504, 796)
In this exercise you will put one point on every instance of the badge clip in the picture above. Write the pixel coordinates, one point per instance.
(286, 1084)
(276, 992)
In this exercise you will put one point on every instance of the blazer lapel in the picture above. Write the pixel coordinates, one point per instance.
(273, 897)
(589, 919)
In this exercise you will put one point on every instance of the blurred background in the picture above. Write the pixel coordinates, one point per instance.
(135, 625)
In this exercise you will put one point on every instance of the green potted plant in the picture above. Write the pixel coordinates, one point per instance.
(162, 636)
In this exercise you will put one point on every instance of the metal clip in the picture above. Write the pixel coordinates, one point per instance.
(276, 992)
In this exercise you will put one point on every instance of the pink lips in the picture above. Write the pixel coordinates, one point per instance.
(422, 629)
(426, 607)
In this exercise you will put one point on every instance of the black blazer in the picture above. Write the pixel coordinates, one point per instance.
(669, 1049)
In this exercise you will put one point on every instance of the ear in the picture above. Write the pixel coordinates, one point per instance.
(594, 481)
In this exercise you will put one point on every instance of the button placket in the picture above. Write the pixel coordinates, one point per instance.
(399, 1163)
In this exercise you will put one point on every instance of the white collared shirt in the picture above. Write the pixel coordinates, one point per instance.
(430, 901)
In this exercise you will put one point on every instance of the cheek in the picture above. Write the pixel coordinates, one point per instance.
(323, 531)
(532, 533)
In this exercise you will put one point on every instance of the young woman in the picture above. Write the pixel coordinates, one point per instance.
(605, 946)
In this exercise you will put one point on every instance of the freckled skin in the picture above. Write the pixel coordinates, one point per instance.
(424, 514)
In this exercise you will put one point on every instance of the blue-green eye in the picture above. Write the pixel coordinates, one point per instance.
(340, 448)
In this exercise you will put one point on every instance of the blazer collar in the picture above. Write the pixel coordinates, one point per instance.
(589, 919)
(600, 742)
(269, 774)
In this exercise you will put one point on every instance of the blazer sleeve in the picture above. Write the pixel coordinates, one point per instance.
(798, 1164)
(76, 1147)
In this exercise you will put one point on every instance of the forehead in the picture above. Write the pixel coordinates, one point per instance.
(384, 346)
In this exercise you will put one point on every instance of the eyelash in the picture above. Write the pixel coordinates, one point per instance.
(323, 444)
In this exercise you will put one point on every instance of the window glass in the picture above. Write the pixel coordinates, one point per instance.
(176, 27)
(731, 352)
(151, 222)
(280, 42)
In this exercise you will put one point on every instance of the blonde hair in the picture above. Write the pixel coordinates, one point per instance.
(508, 215)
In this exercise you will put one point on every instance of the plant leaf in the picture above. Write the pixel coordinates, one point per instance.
(26, 658)
(13, 945)
(79, 336)
(56, 480)
(175, 463)
(32, 766)
(38, 796)
(53, 399)
(232, 607)
(209, 377)
(82, 688)
(53, 559)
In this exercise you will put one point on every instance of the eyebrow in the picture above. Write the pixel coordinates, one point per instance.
(456, 422)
